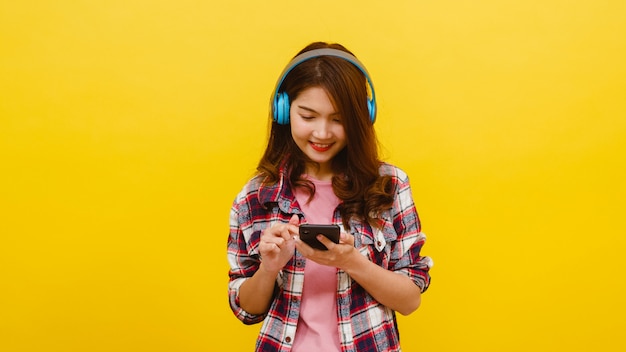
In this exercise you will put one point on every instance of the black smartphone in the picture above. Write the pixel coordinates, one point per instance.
(309, 232)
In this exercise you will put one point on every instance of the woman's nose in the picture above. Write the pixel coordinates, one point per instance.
(322, 129)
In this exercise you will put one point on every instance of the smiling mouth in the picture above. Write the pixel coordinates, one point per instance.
(321, 147)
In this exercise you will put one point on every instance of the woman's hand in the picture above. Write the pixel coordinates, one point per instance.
(277, 245)
(339, 255)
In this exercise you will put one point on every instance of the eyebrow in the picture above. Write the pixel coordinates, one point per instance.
(314, 111)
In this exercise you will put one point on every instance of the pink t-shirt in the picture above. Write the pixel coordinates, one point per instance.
(318, 326)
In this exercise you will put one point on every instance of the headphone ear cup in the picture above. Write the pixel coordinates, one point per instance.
(281, 108)
(371, 107)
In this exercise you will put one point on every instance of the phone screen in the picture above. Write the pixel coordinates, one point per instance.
(309, 232)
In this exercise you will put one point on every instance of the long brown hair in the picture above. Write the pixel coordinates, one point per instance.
(356, 181)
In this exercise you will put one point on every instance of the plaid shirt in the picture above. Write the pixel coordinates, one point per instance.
(364, 324)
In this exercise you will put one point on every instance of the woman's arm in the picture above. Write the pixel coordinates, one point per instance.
(276, 247)
(391, 289)
(394, 290)
(255, 294)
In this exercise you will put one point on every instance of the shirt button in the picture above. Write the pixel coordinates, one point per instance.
(378, 243)
(294, 299)
(288, 339)
(299, 263)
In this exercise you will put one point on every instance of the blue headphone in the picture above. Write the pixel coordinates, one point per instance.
(280, 101)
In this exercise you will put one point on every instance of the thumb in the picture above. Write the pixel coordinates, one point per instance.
(295, 220)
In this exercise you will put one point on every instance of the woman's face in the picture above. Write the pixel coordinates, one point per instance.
(317, 129)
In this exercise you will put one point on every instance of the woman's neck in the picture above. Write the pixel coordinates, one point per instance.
(320, 172)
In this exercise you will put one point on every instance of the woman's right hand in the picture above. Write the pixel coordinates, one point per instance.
(277, 245)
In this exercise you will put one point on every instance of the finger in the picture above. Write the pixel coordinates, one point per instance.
(278, 231)
(267, 248)
(295, 219)
(273, 231)
(303, 247)
(277, 241)
(325, 241)
(287, 231)
(292, 228)
(346, 238)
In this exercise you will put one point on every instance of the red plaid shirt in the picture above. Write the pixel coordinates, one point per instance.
(364, 324)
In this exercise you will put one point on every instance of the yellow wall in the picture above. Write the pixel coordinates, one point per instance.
(127, 128)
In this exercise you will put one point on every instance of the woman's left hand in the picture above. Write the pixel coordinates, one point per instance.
(338, 254)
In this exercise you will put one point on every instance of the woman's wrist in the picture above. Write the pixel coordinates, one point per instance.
(267, 272)
(354, 263)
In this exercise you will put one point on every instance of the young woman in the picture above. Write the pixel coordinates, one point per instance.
(321, 166)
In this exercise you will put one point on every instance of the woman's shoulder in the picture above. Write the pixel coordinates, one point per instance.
(251, 187)
(395, 172)
(259, 191)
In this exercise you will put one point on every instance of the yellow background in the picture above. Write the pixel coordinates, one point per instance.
(127, 128)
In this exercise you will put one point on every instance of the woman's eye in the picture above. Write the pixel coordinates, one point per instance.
(306, 117)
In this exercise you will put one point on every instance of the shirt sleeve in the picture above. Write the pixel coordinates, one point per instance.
(243, 263)
(407, 249)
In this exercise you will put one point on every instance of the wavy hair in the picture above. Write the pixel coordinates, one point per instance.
(356, 182)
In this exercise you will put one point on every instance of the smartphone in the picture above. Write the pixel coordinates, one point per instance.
(309, 232)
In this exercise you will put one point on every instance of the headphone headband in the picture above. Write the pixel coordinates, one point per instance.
(280, 101)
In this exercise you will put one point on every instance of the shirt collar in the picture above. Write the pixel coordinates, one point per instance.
(279, 194)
